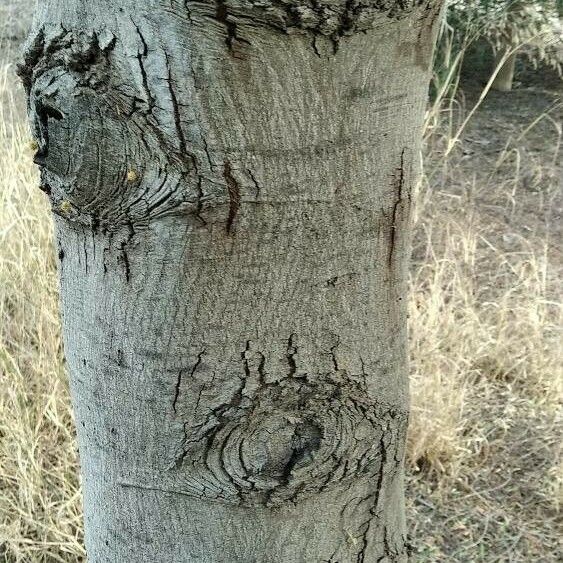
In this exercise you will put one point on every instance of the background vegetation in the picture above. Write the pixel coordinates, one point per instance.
(484, 474)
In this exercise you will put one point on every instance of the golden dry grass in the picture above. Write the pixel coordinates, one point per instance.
(39, 493)
(478, 314)
(485, 322)
(486, 372)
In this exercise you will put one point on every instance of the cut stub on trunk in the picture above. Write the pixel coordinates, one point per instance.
(231, 185)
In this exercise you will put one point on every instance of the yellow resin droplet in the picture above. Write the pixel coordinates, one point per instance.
(132, 176)
(65, 206)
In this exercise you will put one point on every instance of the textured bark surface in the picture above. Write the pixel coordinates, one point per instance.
(231, 184)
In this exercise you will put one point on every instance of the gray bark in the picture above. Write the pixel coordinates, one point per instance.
(505, 76)
(231, 184)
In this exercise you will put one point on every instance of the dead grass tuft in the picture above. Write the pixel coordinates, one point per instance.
(40, 513)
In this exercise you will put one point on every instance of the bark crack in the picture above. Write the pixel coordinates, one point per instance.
(181, 373)
(291, 352)
(256, 184)
(175, 107)
(141, 56)
(222, 15)
(125, 260)
(333, 354)
(233, 189)
(398, 185)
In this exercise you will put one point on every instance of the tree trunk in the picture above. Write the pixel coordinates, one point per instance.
(503, 79)
(231, 184)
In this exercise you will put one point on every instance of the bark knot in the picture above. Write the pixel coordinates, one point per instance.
(285, 439)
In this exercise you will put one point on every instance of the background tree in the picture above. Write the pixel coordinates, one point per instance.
(231, 183)
(529, 27)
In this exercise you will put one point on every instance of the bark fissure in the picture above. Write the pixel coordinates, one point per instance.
(397, 206)
(222, 15)
(333, 354)
(257, 186)
(176, 109)
(181, 373)
(233, 190)
(125, 261)
(291, 353)
(141, 56)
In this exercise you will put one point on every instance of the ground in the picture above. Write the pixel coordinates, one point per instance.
(483, 470)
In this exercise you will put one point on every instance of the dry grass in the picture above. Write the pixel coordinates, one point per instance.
(485, 321)
(484, 318)
(39, 493)
(480, 315)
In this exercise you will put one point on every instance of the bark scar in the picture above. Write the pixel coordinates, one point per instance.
(275, 441)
